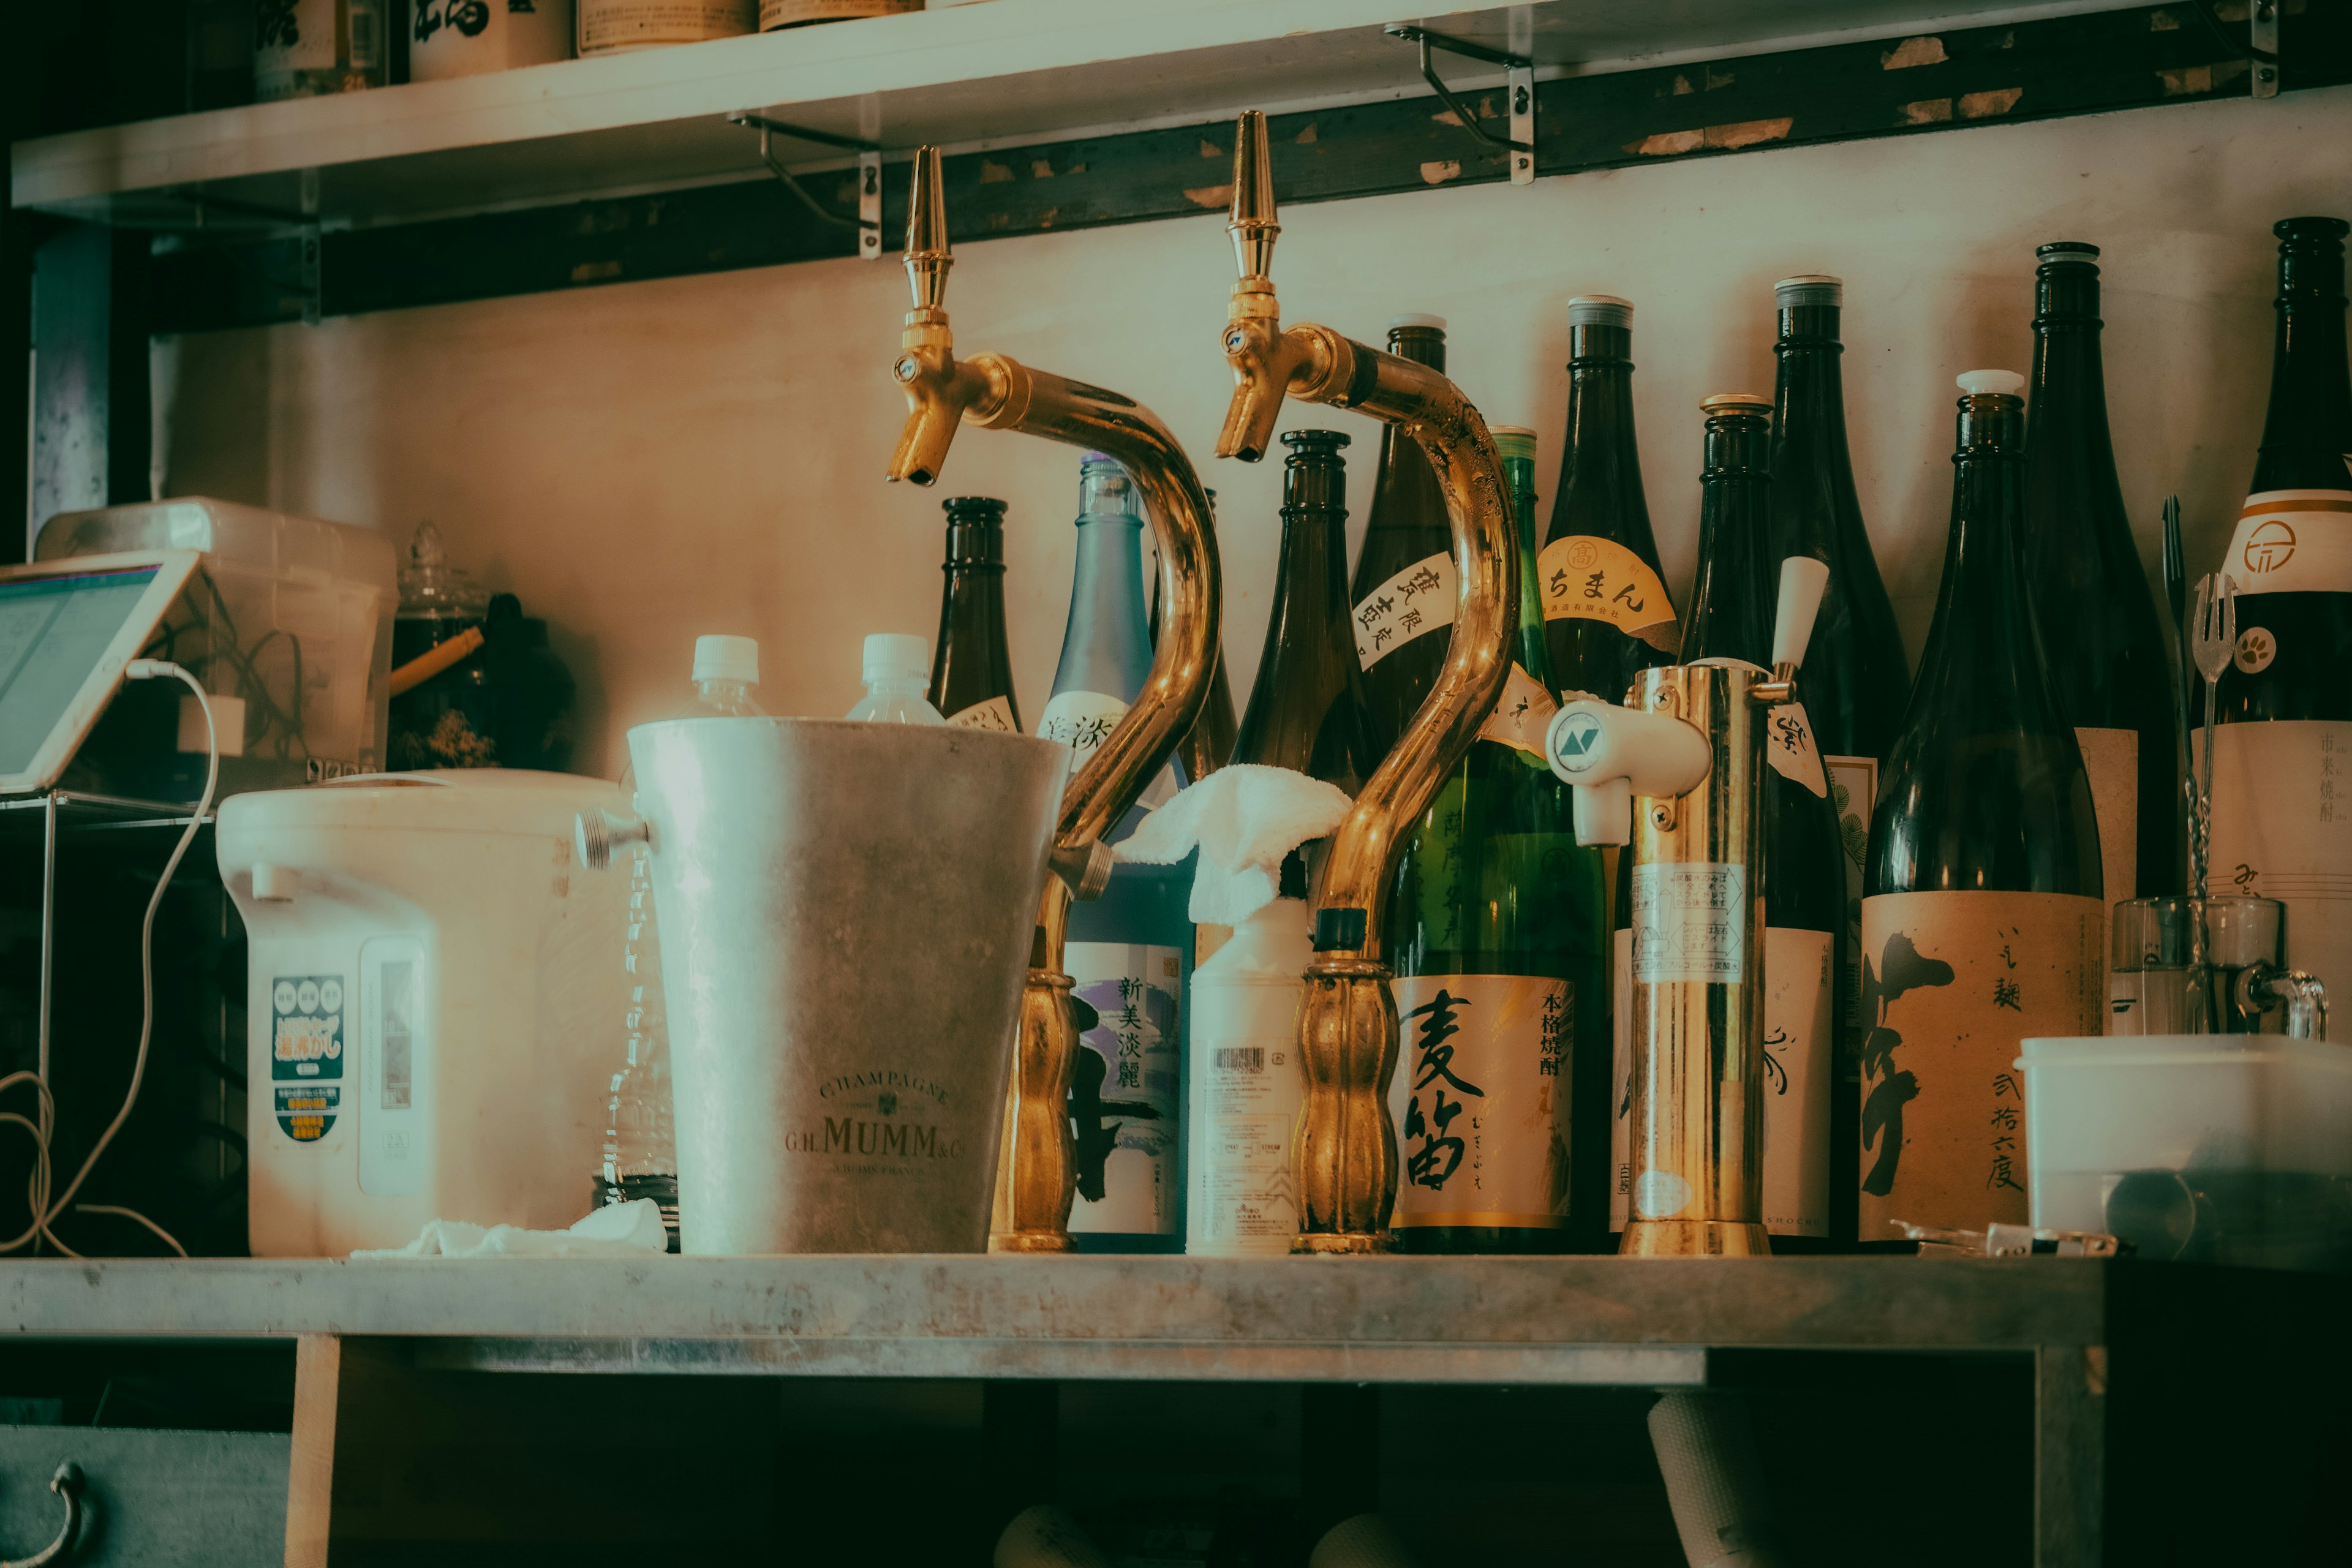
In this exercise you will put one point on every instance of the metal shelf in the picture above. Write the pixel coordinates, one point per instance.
(968, 76)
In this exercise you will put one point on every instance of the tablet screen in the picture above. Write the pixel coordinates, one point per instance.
(53, 632)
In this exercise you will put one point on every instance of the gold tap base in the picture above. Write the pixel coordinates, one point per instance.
(1345, 1243)
(1695, 1239)
(1031, 1241)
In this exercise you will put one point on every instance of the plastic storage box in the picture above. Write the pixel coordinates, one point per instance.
(2207, 1148)
(287, 622)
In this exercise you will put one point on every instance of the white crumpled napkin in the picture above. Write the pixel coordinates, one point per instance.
(1244, 818)
(632, 1229)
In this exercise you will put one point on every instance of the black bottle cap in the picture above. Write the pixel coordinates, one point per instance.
(959, 508)
(2311, 230)
(1314, 474)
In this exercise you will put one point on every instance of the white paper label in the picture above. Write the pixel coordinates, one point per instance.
(2293, 542)
(607, 25)
(1690, 922)
(294, 37)
(1081, 721)
(1788, 747)
(1245, 1093)
(1123, 1092)
(1480, 1099)
(1522, 714)
(996, 713)
(2282, 829)
(1798, 1079)
(2112, 759)
(1417, 600)
(1621, 1080)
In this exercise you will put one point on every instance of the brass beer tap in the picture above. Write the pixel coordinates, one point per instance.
(1346, 1149)
(1035, 1174)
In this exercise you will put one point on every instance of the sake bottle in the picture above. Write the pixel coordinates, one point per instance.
(972, 667)
(2091, 598)
(1208, 744)
(1129, 952)
(1982, 913)
(1304, 713)
(1606, 612)
(2282, 815)
(1494, 933)
(1730, 619)
(1403, 587)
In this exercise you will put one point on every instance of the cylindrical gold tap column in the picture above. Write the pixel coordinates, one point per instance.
(1344, 1142)
(1698, 981)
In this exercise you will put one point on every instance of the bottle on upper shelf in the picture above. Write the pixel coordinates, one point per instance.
(1496, 936)
(1403, 587)
(1606, 611)
(1983, 914)
(1733, 600)
(971, 665)
(2285, 708)
(2093, 606)
(1129, 952)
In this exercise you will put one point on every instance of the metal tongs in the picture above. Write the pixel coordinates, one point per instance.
(1998, 1240)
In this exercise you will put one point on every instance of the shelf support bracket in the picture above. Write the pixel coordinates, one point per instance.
(869, 222)
(1520, 87)
(2263, 44)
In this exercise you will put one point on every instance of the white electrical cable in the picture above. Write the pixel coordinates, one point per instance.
(46, 1213)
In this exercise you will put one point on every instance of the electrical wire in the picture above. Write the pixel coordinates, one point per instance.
(45, 1212)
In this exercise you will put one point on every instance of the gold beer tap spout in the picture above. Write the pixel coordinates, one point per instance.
(1346, 1146)
(1000, 394)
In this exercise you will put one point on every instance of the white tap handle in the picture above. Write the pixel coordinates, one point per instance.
(1611, 754)
(1804, 581)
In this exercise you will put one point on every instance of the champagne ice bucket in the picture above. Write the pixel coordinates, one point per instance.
(846, 913)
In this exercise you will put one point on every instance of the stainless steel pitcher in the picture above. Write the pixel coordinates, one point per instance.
(845, 912)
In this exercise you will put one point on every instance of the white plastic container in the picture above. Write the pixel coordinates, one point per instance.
(1245, 1087)
(2210, 1147)
(464, 38)
(430, 998)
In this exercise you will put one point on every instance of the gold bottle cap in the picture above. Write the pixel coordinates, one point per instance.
(1735, 403)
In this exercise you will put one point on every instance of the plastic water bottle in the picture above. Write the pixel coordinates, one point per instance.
(897, 681)
(726, 673)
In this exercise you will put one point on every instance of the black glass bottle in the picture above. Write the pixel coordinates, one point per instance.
(1983, 919)
(1402, 591)
(971, 669)
(2281, 818)
(1210, 742)
(1606, 612)
(2092, 602)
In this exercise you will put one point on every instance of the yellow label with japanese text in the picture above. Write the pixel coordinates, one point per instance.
(1600, 580)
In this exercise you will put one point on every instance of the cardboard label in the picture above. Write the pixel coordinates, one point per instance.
(2282, 829)
(1600, 580)
(1522, 714)
(2112, 759)
(1481, 1099)
(1951, 982)
(2293, 542)
(1413, 603)
(996, 713)
(1123, 1092)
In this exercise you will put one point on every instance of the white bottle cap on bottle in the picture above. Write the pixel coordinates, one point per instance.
(1981, 383)
(727, 659)
(1600, 310)
(897, 656)
(1417, 318)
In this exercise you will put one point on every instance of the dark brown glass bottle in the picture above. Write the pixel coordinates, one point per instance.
(2281, 823)
(1305, 709)
(2092, 602)
(972, 669)
(1606, 612)
(1402, 591)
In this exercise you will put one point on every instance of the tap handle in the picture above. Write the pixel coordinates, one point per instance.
(1803, 580)
(928, 253)
(1610, 754)
(1253, 225)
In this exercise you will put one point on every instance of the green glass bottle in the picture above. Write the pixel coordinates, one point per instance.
(972, 667)
(1403, 587)
(1496, 930)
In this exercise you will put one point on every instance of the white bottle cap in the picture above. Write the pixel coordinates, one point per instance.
(897, 656)
(1513, 441)
(727, 659)
(1600, 310)
(1808, 288)
(1416, 319)
(1981, 383)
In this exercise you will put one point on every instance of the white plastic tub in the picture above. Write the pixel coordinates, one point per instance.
(2210, 1147)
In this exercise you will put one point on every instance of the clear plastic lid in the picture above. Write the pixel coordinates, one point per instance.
(1417, 318)
(431, 587)
(897, 656)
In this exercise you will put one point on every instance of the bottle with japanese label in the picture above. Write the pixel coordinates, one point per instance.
(1983, 914)
(306, 48)
(1729, 620)
(1404, 588)
(1208, 745)
(1857, 680)
(1304, 713)
(972, 667)
(1495, 937)
(1606, 613)
(2092, 602)
(2281, 825)
(1130, 952)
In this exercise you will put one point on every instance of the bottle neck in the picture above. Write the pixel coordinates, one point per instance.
(2310, 417)
(1599, 490)
(897, 686)
(1106, 644)
(1405, 495)
(2069, 381)
(724, 696)
(1983, 627)
(1731, 605)
(1519, 481)
(1809, 403)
